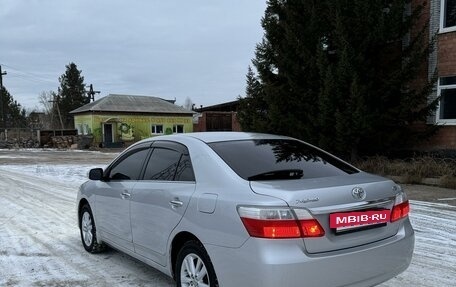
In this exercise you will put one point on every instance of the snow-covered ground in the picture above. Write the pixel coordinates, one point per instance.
(40, 244)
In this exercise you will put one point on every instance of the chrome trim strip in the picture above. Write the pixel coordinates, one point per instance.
(351, 206)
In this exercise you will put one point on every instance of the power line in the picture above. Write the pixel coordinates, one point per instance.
(28, 74)
(23, 77)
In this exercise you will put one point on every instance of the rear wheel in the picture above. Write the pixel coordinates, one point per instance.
(89, 231)
(194, 267)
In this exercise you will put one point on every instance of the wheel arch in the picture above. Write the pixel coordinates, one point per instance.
(82, 202)
(177, 243)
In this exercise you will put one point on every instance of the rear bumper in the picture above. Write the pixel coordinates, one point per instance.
(266, 263)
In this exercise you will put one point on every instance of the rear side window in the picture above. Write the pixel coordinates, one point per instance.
(162, 164)
(168, 164)
(279, 159)
(184, 169)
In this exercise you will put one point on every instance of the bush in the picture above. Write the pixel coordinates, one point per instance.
(448, 182)
(413, 170)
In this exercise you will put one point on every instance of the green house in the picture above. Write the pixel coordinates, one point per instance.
(116, 120)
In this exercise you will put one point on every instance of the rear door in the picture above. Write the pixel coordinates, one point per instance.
(160, 199)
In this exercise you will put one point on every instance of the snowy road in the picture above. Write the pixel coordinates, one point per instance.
(40, 245)
(39, 238)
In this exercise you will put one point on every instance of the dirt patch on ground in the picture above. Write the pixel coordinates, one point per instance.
(43, 156)
(431, 193)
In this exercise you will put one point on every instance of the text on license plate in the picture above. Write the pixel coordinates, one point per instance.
(348, 219)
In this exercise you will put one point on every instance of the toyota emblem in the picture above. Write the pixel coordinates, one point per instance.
(358, 193)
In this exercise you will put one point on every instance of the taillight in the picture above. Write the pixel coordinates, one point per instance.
(311, 228)
(400, 211)
(401, 207)
(264, 222)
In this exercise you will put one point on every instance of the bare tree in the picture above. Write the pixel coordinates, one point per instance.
(46, 99)
(188, 104)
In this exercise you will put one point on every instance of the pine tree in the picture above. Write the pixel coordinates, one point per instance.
(252, 108)
(14, 115)
(375, 66)
(339, 73)
(71, 93)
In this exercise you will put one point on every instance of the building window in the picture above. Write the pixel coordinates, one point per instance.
(86, 130)
(448, 15)
(447, 106)
(80, 129)
(178, 129)
(157, 129)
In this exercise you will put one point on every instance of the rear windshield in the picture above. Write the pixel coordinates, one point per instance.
(279, 159)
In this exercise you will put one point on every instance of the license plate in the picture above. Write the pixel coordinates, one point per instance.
(348, 220)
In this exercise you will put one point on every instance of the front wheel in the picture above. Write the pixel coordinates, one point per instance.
(194, 267)
(89, 231)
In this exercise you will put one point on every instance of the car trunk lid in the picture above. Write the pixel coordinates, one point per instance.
(330, 195)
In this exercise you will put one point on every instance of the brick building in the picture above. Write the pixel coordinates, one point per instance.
(441, 15)
(221, 117)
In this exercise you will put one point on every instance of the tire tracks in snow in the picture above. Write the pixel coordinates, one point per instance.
(44, 220)
(434, 258)
(40, 243)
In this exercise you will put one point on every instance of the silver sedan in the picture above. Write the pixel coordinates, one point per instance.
(244, 209)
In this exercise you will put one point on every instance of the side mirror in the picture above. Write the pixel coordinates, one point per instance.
(96, 174)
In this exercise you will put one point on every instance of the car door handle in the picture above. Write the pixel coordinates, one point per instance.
(125, 195)
(176, 203)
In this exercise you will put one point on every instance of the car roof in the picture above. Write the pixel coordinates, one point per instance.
(210, 137)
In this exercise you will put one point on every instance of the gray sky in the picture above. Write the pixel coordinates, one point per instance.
(171, 49)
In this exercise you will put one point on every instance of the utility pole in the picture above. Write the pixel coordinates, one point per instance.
(56, 101)
(2, 110)
(91, 93)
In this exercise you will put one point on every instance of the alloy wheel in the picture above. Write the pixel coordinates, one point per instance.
(87, 227)
(193, 272)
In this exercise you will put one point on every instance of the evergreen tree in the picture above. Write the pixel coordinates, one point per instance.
(71, 93)
(287, 69)
(14, 116)
(252, 112)
(339, 73)
(378, 52)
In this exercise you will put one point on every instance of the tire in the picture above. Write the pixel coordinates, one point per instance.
(89, 231)
(193, 256)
